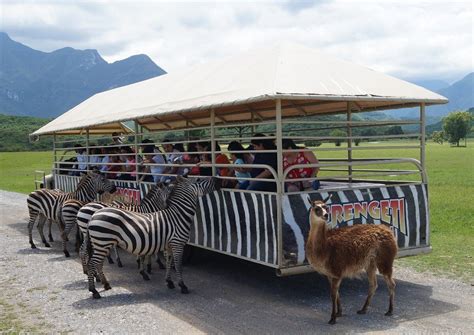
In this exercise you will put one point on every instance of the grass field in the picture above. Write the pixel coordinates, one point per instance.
(451, 197)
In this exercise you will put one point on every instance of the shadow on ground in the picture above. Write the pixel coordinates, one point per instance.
(234, 296)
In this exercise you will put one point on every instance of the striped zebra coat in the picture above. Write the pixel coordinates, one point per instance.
(146, 234)
(45, 204)
(153, 201)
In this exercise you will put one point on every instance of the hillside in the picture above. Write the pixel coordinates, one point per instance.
(14, 132)
(41, 84)
(460, 95)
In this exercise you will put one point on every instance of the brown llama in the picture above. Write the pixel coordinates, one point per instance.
(348, 251)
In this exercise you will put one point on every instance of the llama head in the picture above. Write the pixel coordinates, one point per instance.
(319, 210)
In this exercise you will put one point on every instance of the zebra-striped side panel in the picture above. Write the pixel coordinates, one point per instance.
(404, 208)
(238, 223)
(127, 189)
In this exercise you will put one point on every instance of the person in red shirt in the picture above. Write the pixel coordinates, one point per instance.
(299, 157)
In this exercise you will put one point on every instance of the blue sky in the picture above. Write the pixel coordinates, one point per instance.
(409, 39)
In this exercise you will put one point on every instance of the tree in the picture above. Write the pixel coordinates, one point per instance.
(456, 126)
(438, 137)
(394, 130)
(337, 133)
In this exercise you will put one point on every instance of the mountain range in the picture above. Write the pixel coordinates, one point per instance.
(47, 84)
(42, 84)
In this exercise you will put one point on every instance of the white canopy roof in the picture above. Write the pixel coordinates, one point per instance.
(286, 71)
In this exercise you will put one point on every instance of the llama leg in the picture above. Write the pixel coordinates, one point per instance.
(168, 256)
(335, 283)
(391, 289)
(339, 308)
(42, 220)
(178, 249)
(34, 217)
(372, 277)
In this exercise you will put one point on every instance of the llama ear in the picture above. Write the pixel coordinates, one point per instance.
(309, 201)
(328, 198)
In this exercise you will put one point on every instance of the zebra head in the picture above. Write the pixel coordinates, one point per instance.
(157, 196)
(191, 189)
(100, 184)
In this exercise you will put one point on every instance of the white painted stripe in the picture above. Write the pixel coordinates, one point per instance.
(417, 213)
(247, 223)
(227, 224)
(211, 216)
(407, 232)
(360, 197)
(345, 200)
(427, 211)
(372, 198)
(274, 227)
(385, 193)
(265, 223)
(290, 220)
(237, 224)
(219, 218)
(203, 221)
(257, 225)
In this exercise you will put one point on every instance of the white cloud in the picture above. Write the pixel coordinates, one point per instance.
(408, 39)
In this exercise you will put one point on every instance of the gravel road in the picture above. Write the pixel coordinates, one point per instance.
(47, 291)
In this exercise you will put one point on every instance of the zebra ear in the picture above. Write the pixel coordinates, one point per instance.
(179, 178)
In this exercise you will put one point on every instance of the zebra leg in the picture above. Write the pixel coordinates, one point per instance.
(117, 257)
(158, 260)
(42, 220)
(148, 264)
(34, 217)
(50, 235)
(141, 260)
(78, 239)
(64, 235)
(168, 256)
(177, 248)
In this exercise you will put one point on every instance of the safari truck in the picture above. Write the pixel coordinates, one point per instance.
(326, 106)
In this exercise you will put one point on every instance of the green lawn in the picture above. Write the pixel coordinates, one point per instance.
(451, 197)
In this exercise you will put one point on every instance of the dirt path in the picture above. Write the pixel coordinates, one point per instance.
(43, 291)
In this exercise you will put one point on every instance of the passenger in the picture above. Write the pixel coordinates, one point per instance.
(114, 167)
(299, 157)
(173, 156)
(81, 158)
(105, 159)
(220, 159)
(261, 143)
(95, 159)
(130, 170)
(152, 155)
(239, 158)
(191, 158)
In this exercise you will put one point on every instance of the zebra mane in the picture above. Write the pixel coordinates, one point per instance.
(84, 180)
(175, 187)
(153, 190)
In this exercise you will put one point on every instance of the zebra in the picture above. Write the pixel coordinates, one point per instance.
(153, 201)
(146, 234)
(45, 204)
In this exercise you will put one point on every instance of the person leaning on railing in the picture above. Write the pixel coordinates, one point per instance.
(261, 143)
(238, 157)
(300, 157)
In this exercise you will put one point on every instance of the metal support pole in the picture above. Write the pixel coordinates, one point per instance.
(55, 157)
(349, 139)
(88, 160)
(137, 177)
(279, 181)
(422, 132)
(213, 142)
